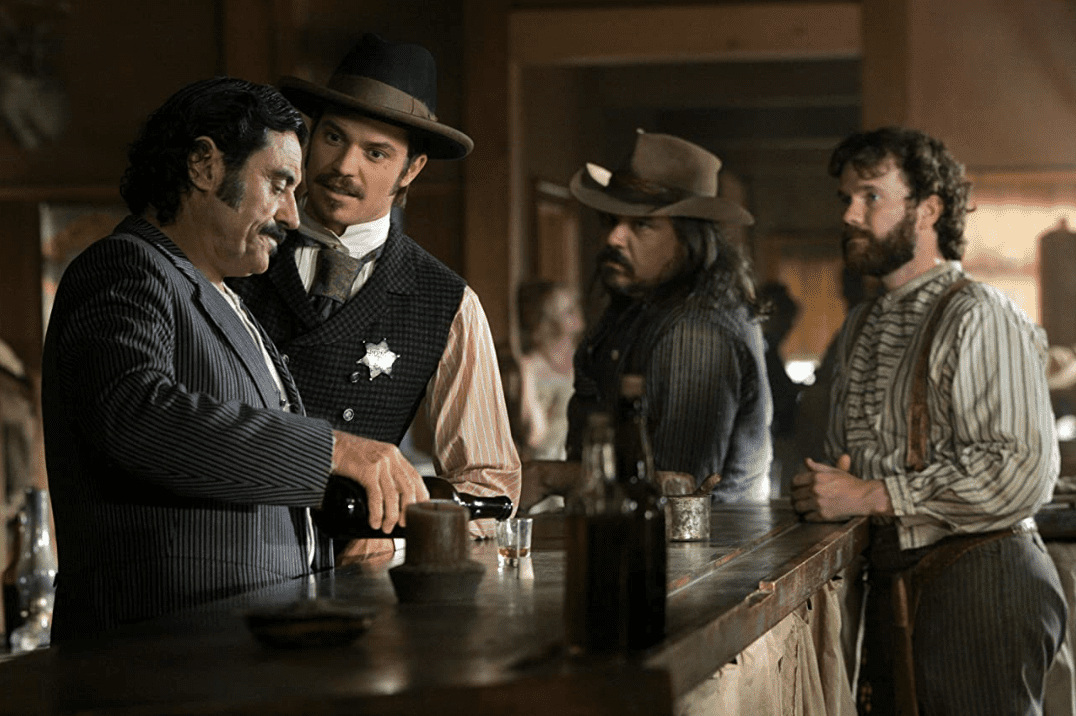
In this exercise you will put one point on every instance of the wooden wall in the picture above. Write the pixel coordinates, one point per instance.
(996, 81)
(119, 59)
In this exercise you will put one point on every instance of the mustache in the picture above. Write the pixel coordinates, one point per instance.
(339, 184)
(274, 230)
(849, 233)
(608, 254)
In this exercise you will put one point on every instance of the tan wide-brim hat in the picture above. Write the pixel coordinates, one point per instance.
(666, 164)
(395, 82)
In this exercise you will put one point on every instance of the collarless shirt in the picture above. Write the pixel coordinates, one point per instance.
(992, 450)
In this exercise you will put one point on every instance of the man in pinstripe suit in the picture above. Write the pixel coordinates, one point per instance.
(942, 432)
(181, 465)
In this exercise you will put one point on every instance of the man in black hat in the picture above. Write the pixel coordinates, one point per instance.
(369, 322)
(681, 313)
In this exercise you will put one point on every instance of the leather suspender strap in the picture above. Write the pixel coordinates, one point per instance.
(918, 414)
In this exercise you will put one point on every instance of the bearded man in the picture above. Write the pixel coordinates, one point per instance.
(942, 432)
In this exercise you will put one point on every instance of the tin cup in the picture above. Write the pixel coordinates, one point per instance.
(687, 518)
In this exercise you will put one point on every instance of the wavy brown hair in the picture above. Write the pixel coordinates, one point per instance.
(928, 168)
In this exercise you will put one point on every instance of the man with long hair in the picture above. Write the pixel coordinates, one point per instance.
(682, 313)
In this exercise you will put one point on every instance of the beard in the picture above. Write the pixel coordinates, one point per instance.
(883, 255)
(617, 275)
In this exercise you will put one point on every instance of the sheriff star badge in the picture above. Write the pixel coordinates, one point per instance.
(379, 359)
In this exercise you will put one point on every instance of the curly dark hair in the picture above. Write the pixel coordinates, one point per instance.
(234, 113)
(928, 168)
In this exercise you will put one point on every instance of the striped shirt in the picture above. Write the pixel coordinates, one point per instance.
(472, 441)
(992, 454)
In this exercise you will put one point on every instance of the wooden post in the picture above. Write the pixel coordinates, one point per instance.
(488, 238)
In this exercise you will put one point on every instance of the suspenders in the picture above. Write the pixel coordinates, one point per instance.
(918, 415)
(908, 585)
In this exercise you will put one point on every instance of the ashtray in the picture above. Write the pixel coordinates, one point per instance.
(309, 623)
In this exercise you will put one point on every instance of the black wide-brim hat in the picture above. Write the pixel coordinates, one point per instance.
(663, 176)
(395, 82)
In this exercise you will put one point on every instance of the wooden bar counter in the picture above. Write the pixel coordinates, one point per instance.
(503, 654)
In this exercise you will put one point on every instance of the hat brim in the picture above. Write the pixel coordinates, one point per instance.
(441, 141)
(596, 196)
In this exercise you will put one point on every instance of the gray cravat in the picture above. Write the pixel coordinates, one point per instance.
(334, 275)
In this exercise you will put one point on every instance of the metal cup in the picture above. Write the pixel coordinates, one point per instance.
(687, 518)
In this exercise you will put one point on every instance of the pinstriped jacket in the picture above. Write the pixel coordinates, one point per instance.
(175, 476)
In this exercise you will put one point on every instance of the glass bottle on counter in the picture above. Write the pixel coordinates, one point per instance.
(596, 532)
(646, 582)
(615, 579)
(344, 515)
(35, 574)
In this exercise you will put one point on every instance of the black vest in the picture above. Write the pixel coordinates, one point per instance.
(408, 304)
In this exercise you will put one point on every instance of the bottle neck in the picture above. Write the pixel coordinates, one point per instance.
(497, 507)
(38, 531)
(635, 458)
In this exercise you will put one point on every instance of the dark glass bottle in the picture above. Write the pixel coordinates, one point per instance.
(597, 527)
(646, 574)
(343, 513)
(615, 578)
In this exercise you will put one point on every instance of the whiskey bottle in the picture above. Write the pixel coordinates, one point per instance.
(344, 514)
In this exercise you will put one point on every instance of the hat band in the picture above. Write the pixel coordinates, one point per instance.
(634, 189)
(375, 92)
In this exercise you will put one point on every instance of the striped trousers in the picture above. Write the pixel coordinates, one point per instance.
(986, 629)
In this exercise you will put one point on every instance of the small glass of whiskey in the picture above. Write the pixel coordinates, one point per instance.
(513, 540)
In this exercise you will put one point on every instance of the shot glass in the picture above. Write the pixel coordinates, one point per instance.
(513, 540)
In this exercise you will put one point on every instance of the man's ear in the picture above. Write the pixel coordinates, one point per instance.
(205, 164)
(930, 210)
(413, 170)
